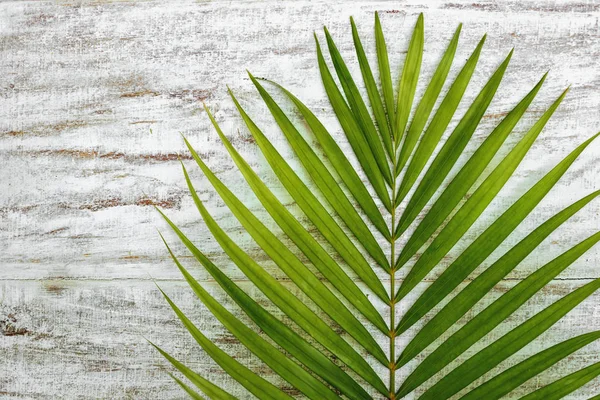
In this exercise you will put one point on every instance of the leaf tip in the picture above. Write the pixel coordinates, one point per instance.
(420, 26)
(563, 94)
(458, 29)
(327, 35)
(229, 90)
(252, 78)
(544, 77)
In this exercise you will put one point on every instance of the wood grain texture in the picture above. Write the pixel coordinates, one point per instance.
(93, 98)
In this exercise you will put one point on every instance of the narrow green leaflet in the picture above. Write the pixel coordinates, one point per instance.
(427, 102)
(353, 132)
(438, 124)
(311, 205)
(468, 174)
(478, 202)
(359, 109)
(409, 79)
(373, 93)
(341, 165)
(288, 263)
(289, 340)
(497, 312)
(480, 286)
(313, 287)
(562, 387)
(510, 379)
(284, 300)
(193, 394)
(207, 387)
(385, 75)
(277, 361)
(254, 383)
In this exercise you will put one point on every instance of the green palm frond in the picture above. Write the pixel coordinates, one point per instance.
(335, 338)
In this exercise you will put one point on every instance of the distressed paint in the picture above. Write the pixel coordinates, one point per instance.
(93, 96)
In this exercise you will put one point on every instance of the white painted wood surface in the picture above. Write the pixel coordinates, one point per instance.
(93, 97)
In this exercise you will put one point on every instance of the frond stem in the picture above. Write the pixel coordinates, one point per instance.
(392, 334)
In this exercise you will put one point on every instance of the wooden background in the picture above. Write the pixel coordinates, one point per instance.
(93, 98)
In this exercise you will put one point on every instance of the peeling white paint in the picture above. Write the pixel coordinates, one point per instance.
(93, 98)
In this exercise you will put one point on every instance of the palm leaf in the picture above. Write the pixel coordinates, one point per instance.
(347, 248)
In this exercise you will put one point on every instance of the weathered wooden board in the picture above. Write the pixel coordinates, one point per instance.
(93, 98)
